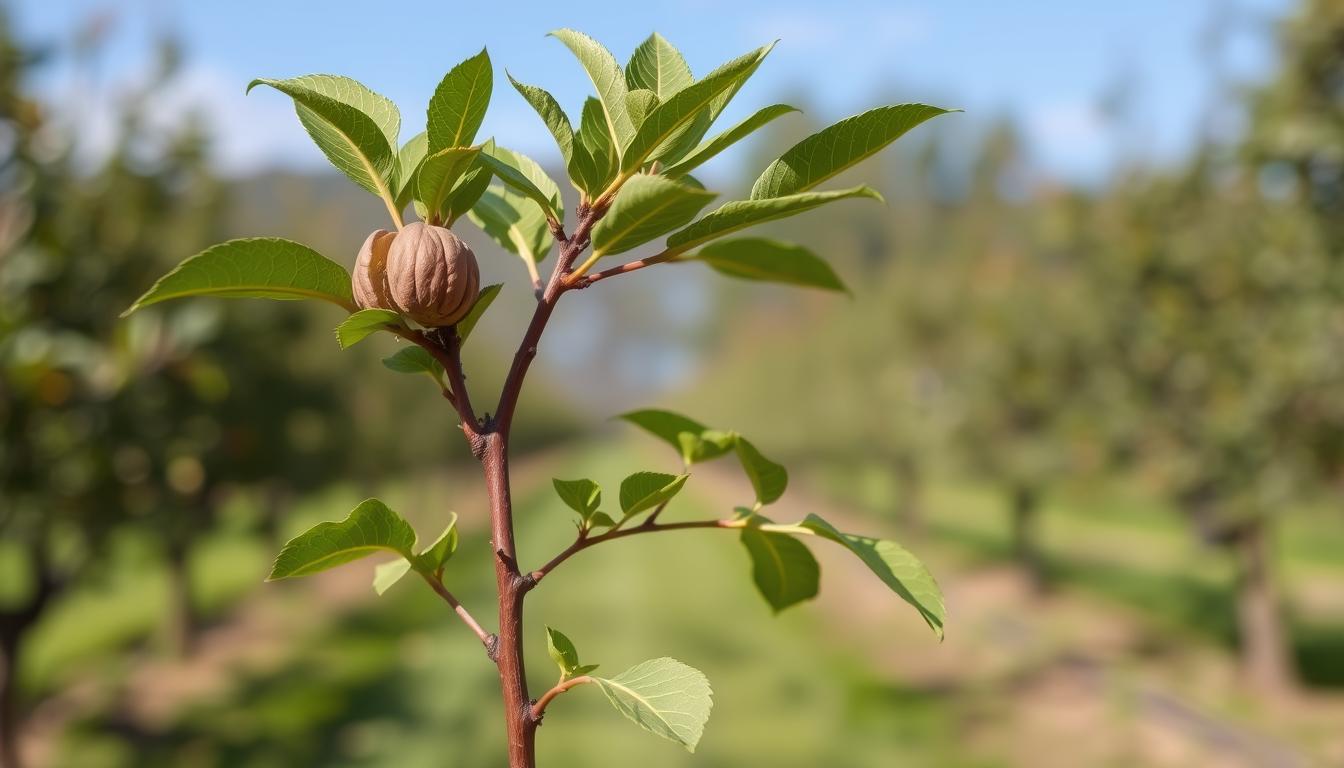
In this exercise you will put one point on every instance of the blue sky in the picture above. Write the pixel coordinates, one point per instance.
(1047, 62)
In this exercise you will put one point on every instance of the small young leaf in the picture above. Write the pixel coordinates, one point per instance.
(664, 697)
(483, 301)
(645, 490)
(740, 214)
(469, 188)
(704, 152)
(433, 557)
(607, 78)
(656, 65)
(767, 478)
(831, 150)
(647, 207)
(409, 158)
(783, 568)
(523, 174)
(385, 575)
(600, 520)
(363, 324)
(770, 261)
(565, 655)
(254, 267)
(514, 222)
(439, 173)
(694, 440)
(413, 359)
(583, 496)
(368, 528)
(557, 122)
(457, 108)
(595, 160)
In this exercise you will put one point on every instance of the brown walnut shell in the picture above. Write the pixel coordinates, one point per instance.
(368, 281)
(432, 276)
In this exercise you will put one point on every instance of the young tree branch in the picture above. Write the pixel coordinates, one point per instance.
(488, 639)
(584, 541)
(579, 280)
(539, 708)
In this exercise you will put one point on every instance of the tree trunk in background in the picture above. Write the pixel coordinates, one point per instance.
(1265, 655)
(1026, 544)
(183, 623)
(9, 699)
(910, 494)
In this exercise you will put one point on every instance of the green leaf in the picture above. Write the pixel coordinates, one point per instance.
(583, 496)
(457, 108)
(783, 568)
(565, 655)
(385, 575)
(557, 122)
(768, 479)
(607, 78)
(645, 490)
(523, 174)
(656, 65)
(254, 267)
(483, 301)
(664, 697)
(409, 158)
(370, 527)
(336, 111)
(600, 520)
(469, 188)
(433, 557)
(647, 207)
(770, 261)
(831, 150)
(660, 129)
(893, 564)
(363, 324)
(694, 440)
(740, 214)
(711, 147)
(595, 160)
(514, 222)
(439, 173)
(638, 105)
(413, 359)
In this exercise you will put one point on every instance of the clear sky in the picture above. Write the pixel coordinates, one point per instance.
(1047, 62)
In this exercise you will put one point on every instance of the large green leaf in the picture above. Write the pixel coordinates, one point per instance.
(523, 174)
(638, 104)
(595, 160)
(557, 122)
(783, 568)
(831, 150)
(753, 258)
(511, 220)
(664, 126)
(892, 563)
(767, 478)
(643, 491)
(370, 527)
(711, 147)
(363, 324)
(657, 66)
(439, 173)
(664, 697)
(356, 142)
(410, 156)
(457, 108)
(469, 188)
(647, 207)
(607, 78)
(693, 440)
(254, 267)
(483, 301)
(740, 214)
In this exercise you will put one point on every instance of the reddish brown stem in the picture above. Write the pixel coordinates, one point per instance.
(632, 266)
(584, 541)
(539, 709)
(487, 639)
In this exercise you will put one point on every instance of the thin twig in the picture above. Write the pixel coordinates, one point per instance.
(539, 708)
(579, 280)
(648, 526)
(487, 639)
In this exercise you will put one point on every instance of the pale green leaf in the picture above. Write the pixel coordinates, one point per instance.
(514, 222)
(523, 174)
(647, 207)
(662, 128)
(457, 108)
(694, 440)
(768, 479)
(413, 359)
(656, 65)
(254, 267)
(409, 158)
(643, 491)
(557, 122)
(439, 173)
(370, 527)
(638, 104)
(607, 78)
(483, 301)
(441, 550)
(600, 520)
(740, 214)
(711, 147)
(770, 261)
(583, 496)
(831, 150)
(469, 188)
(385, 575)
(565, 655)
(595, 160)
(783, 568)
(363, 324)
(664, 697)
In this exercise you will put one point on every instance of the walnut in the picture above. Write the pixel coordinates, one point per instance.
(369, 279)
